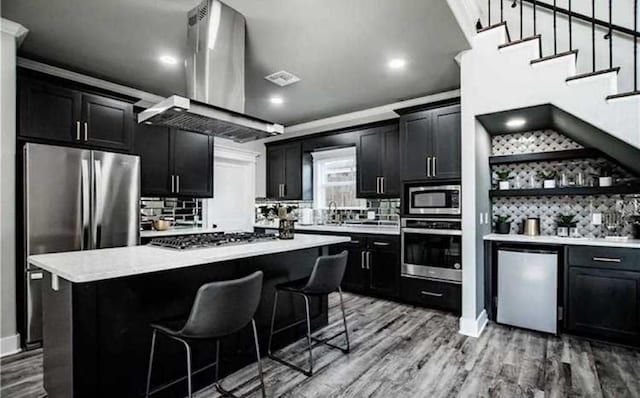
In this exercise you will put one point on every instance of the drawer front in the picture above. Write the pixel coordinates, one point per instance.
(604, 257)
(432, 294)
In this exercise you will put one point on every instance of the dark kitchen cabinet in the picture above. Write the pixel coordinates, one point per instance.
(378, 155)
(51, 111)
(604, 303)
(174, 163)
(284, 171)
(373, 266)
(433, 294)
(107, 123)
(430, 144)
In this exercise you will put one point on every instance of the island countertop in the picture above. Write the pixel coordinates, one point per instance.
(95, 265)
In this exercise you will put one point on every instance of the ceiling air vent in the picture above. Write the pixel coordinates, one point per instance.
(283, 78)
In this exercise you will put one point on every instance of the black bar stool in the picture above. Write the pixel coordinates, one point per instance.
(325, 278)
(220, 309)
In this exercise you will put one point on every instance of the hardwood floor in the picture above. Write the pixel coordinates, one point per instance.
(404, 351)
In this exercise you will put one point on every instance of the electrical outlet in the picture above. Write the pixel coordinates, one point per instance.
(596, 218)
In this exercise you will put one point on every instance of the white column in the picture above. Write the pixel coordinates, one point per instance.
(12, 35)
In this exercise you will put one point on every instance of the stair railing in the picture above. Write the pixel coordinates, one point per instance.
(573, 16)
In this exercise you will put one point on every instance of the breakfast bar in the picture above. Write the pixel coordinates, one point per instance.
(98, 305)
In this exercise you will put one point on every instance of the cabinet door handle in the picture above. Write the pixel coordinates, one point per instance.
(354, 242)
(434, 165)
(381, 184)
(284, 190)
(368, 260)
(86, 130)
(607, 260)
(362, 255)
(381, 243)
(178, 183)
(78, 130)
(432, 294)
(173, 183)
(429, 166)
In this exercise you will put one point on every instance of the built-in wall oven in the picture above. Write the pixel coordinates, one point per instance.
(433, 200)
(432, 249)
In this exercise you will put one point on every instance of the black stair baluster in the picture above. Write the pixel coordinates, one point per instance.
(593, 33)
(570, 28)
(555, 33)
(610, 34)
(501, 11)
(635, 46)
(521, 20)
(535, 29)
(488, 12)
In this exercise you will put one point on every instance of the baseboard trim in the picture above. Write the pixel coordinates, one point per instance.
(474, 327)
(9, 345)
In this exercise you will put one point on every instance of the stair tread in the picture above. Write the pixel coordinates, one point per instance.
(623, 95)
(519, 41)
(596, 73)
(550, 57)
(504, 23)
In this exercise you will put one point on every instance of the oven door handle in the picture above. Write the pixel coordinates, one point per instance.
(421, 231)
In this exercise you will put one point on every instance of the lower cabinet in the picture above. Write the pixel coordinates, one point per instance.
(604, 303)
(432, 294)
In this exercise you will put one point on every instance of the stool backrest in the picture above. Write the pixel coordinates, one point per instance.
(222, 308)
(327, 274)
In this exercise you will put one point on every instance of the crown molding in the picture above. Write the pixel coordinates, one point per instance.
(14, 29)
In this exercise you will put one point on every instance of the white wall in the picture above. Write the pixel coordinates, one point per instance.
(11, 34)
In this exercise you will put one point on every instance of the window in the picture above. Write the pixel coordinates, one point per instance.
(334, 179)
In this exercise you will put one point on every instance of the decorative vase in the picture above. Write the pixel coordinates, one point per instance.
(286, 229)
(549, 184)
(605, 181)
(503, 185)
(503, 228)
(573, 232)
(563, 232)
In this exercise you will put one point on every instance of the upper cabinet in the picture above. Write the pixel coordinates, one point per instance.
(51, 111)
(284, 171)
(430, 144)
(377, 163)
(174, 163)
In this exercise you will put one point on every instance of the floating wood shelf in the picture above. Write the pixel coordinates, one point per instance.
(571, 191)
(583, 153)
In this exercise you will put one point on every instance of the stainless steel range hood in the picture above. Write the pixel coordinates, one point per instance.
(215, 80)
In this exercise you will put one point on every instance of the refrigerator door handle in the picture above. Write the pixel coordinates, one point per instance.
(85, 204)
(98, 203)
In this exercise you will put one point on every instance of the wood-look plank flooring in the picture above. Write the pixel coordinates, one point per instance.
(404, 351)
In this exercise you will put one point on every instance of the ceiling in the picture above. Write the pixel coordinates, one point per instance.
(338, 48)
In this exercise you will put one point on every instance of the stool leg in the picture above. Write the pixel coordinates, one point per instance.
(306, 305)
(344, 321)
(273, 320)
(255, 339)
(153, 346)
(188, 349)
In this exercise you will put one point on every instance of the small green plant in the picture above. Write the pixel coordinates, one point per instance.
(567, 220)
(503, 175)
(503, 219)
(548, 175)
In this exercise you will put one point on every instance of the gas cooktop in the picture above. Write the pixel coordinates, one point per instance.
(184, 242)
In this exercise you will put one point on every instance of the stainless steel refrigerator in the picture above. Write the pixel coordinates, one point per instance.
(74, 199)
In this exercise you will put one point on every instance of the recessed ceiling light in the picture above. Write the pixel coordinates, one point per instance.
(168, 59)
(276, 100)
(515, 122)
(397, 63)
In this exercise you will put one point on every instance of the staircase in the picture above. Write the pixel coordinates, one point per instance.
(516, 74)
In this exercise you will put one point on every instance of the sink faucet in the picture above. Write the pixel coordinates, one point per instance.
(333, 214)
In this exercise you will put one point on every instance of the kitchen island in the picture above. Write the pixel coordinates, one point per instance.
(98, 304)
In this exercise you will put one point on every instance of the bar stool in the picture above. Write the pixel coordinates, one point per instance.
(325, 278)
(220, 309)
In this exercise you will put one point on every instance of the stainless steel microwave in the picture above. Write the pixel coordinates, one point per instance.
(436, 199)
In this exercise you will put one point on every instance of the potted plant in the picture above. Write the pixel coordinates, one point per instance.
(566, 225)
(548, 178)
(503, 178)
(503, 225)
(605, 175)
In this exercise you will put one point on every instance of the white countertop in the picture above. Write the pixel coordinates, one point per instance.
(349, 229)
(556, 240)
(178, 231)
(95, 265)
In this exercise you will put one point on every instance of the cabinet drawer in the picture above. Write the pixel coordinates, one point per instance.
(604, 257)
(432, 294)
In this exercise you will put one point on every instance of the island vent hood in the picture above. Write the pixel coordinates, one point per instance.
(215, 80)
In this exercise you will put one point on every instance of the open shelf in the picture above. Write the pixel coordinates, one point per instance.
(583, 153)
(576, 191)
